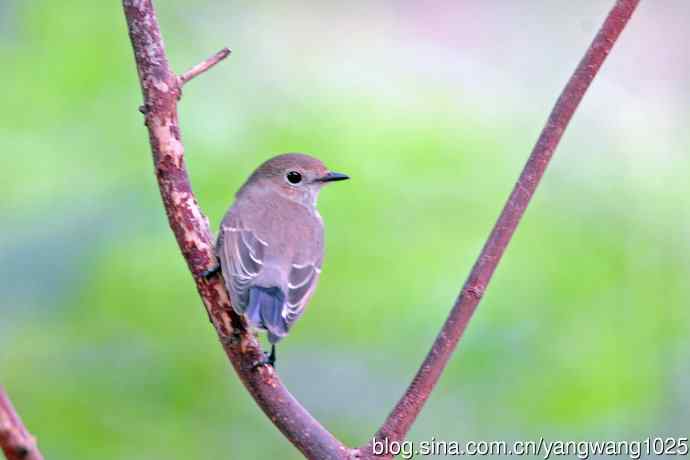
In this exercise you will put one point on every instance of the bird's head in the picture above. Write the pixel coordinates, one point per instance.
(295, 176)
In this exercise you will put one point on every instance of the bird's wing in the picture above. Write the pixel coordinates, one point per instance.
(302, 281)
(241, 254)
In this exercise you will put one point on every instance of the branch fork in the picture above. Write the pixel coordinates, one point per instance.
(161, 89)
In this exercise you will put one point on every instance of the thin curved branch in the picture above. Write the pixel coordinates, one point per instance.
(15, 440)
(407, 409)
(161, 90)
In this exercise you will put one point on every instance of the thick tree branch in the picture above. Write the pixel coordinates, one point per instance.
(15, 440)
(407, 409)
(161, 90)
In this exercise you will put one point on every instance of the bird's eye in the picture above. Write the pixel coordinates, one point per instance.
(294, 177)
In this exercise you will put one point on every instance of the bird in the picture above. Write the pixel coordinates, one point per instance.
(270, 246)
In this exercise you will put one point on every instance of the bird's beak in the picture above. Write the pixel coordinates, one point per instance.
(332, 177)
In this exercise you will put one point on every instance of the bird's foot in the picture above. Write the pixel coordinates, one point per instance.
(211, 272)
(269, 359)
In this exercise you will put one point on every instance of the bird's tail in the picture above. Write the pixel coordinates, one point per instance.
(265, 310)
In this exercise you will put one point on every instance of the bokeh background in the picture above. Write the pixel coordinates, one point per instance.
(432, 108)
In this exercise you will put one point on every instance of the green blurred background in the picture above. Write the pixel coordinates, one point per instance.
(432, 108)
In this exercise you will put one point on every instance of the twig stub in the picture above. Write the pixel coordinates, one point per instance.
(204, 66)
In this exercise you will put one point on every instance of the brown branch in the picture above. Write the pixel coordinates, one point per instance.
(15, 440)
(407, 409)
(161, 90)
(204, 66)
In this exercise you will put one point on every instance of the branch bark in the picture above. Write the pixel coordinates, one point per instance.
(161, 89)
(15, 440)
(408, 407)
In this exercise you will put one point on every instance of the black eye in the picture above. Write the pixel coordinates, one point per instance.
(294, 177)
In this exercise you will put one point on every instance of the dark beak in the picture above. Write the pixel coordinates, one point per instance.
(332, 177)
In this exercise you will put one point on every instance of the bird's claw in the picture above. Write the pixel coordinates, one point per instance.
(211, 272)
(269, 359)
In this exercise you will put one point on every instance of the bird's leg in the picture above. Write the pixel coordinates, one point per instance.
(208, 274)
(269, 359)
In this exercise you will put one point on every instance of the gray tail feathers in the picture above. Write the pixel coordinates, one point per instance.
(265, 310)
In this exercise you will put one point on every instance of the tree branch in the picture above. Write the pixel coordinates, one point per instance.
(15, 440)
(161, 90)
(407, 409)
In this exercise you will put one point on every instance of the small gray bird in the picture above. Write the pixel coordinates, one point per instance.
(270, 245)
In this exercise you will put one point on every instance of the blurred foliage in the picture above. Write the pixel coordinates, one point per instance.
(105, 347)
